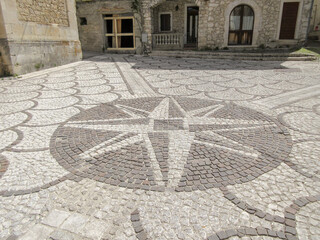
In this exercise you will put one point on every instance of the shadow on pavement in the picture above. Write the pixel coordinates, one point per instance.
(172, 63)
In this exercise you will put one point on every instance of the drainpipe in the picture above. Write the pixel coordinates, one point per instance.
(309, 21)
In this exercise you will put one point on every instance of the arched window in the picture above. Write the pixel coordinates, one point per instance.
(241, 25)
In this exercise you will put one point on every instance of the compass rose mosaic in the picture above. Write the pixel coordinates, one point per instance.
(170, 143)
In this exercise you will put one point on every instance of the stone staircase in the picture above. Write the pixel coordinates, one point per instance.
(249, 56)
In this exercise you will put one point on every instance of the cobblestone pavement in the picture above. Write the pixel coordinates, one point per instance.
(130, 147)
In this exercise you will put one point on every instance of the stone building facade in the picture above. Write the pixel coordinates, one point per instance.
(36, 34)
(202, 24)
(315, 21)
(93, 25)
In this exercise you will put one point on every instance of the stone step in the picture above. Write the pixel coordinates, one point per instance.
(250, 56)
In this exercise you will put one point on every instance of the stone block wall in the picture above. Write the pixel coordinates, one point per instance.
(6, 67)
(215, 24)
(315, 20)
(315, 14)
(178, 17)
(38, 34)
(148, 15)
(43, 11)
(91, 35)
(56, 30)
(5, 61)
(43, 54)
(214, 20)
(305, 14)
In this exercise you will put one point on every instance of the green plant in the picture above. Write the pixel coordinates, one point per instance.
(6, 73)
(312, 50)
(37, 66)
(136, 6)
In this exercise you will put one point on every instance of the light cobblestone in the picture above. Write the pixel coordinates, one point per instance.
(205, 154)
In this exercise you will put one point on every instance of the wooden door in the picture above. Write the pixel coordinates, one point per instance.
(289, 20)
(192, 24)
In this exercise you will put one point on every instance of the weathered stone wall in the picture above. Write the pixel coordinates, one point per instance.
(305, 14)
(147, 9)
(316, 14)
(214, 20)
(217, 19)
(32, 56)
(32, 44)
(213, 27)
(315, 20)
(32, 31)
(5, 61)
(3, 33)
(43, 11)
(215, 24)
(178, 17)
(92, 35)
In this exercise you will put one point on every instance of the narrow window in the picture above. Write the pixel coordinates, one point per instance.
(83, 21)
(241, 25)
(165, 22)
(109, 31)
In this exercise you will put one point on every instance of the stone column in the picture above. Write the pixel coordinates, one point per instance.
(147, 12)
(306, 11)
(147, 20)
(203, 23)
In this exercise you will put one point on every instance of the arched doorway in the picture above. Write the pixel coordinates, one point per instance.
(241, 25)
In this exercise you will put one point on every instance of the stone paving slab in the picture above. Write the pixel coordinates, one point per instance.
(131, 147)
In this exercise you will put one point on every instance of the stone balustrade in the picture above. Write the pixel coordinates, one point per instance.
(168, 41)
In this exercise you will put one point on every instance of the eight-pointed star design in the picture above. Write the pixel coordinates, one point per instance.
(174, 142)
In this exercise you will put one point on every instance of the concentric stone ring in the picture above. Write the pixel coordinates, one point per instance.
(170, 143)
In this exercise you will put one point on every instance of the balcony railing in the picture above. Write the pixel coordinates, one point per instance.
(168, 41)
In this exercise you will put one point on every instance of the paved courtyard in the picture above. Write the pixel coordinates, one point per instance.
(128, 147)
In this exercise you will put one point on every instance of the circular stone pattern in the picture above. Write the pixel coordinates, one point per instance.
(170, 143)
